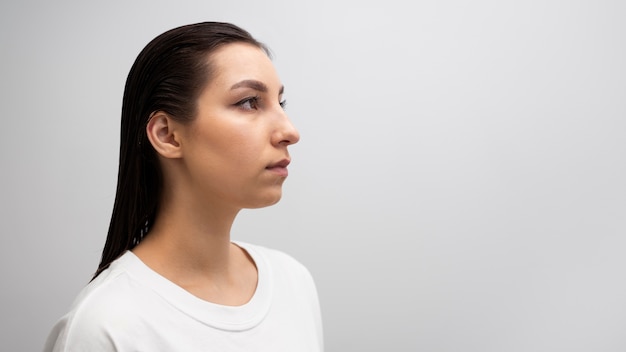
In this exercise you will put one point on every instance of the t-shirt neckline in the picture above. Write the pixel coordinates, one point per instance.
(231, 318)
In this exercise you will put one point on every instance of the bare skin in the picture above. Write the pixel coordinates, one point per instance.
(232, 156)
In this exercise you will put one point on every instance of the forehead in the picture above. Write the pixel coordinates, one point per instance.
(235, 62)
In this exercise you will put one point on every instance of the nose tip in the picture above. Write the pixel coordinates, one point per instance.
(290, 137)
(295, 135)
(288, 133)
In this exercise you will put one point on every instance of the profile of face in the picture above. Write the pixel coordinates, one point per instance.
(234, 152)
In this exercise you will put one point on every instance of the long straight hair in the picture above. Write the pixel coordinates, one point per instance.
(168, 75)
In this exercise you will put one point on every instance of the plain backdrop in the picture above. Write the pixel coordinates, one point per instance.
(459, 185)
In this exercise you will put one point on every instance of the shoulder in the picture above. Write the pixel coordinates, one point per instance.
(101, 314)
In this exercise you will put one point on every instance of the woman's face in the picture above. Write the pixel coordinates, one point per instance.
(235, 150)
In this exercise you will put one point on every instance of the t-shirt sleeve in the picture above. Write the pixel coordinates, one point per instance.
(69, 335)
(100, 320)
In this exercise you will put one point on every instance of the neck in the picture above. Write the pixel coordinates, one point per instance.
(189, 237)
(194, 251)
(189, 244)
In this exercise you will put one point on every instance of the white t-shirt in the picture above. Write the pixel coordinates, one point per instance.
(130, 307)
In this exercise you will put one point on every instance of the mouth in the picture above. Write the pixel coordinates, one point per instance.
(279, 167)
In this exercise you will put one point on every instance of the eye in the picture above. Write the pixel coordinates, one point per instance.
(250, 103)
(283, 104)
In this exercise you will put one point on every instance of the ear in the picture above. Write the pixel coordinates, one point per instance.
(163, 135)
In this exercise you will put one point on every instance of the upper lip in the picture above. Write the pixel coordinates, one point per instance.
(282, 163)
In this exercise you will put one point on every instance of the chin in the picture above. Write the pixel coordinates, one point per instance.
(268, 200)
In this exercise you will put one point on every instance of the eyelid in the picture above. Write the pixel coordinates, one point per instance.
(256, 102)
(253, 100)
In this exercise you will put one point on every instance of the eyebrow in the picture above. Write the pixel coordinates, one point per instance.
(254, 84)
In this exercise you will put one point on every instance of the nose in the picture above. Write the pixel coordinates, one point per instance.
(285, 133)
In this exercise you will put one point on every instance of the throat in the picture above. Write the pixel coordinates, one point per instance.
(236, 288)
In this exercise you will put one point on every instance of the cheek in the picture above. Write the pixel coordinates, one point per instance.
(230, 143)
(245, 154)
(236, 148)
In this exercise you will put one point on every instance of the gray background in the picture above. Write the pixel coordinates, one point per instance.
(459, 185)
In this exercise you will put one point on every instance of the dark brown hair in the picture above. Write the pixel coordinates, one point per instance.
(168, 75)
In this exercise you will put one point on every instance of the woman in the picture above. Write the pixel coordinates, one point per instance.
(203, 135)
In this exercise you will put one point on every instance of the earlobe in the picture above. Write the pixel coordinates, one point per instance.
(162, 135)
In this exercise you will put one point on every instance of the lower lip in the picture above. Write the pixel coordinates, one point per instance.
(281, 171)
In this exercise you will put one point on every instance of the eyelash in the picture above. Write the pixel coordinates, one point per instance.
(254, 103)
